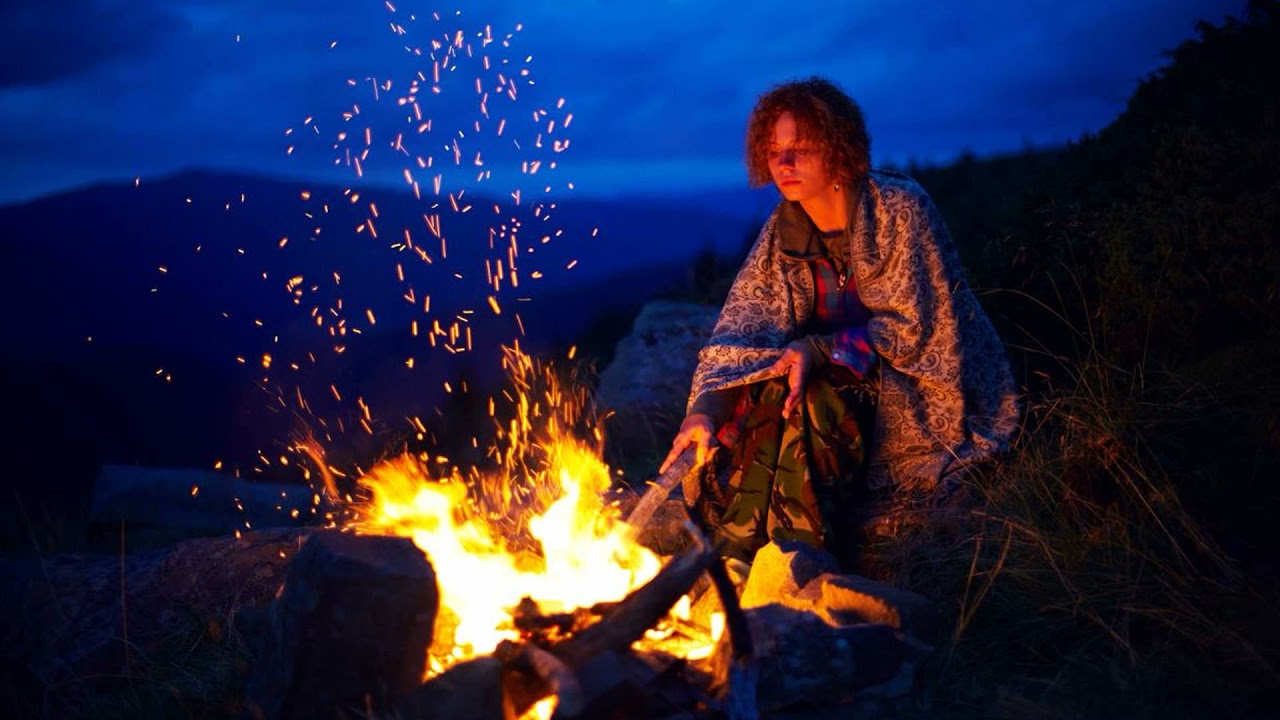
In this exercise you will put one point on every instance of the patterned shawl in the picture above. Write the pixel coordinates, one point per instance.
(947, 395)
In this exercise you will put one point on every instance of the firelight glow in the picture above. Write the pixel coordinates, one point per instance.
(538, 526)
(587, 555)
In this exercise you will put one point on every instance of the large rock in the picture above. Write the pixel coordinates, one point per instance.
(803, 660)
(849, 599)
(349, 630)
(653, 365)
(647, 384)
(780, 572)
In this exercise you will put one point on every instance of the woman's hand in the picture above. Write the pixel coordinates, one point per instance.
(795, 363)
(698, 430)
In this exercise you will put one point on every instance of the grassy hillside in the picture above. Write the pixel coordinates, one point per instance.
(1121, 563)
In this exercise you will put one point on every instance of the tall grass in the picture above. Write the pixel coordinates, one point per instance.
(1076, 579)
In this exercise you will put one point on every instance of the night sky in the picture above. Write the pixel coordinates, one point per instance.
(658, 91)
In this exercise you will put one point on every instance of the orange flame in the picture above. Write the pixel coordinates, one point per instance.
(537, 526)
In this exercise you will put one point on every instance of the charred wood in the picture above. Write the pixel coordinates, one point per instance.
(639, 611)
(472, 690)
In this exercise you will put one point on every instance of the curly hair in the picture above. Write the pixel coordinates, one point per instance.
(824, 114)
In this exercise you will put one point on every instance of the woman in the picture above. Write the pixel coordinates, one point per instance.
(850, 350)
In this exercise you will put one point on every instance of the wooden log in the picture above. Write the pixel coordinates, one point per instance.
(657, 492)
(545, 628)
(736, 688)
(177, 503)
(603, 683)
(625, 623)
(627, 685)
(470, 690)
(559, 679)
(639, 611)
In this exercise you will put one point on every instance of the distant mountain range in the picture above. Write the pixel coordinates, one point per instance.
(139, 318)
(197, 318)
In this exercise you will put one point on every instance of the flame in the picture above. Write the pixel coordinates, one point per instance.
(538, 526)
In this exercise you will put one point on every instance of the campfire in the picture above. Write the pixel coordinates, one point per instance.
(523, 592)
(536, 550)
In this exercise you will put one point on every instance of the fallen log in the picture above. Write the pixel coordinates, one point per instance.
(179, 503)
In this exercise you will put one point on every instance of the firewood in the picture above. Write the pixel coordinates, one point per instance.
(471, 689)
(546, 628)
(737, 687)
(560, 680)
(613, 635)
(640, 610)
(684, 466)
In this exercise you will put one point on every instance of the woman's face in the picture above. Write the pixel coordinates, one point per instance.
(796, 165)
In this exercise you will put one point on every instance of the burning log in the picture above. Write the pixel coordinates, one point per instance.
(349, 630)
(596, 658)
(640, 610)
(533, 624)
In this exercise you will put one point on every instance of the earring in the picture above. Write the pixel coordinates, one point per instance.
(837, 186)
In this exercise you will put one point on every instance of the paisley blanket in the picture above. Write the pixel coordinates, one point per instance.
(947, 397)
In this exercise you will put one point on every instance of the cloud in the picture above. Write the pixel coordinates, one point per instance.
(49, 41)
(678, 77)
(148, 86)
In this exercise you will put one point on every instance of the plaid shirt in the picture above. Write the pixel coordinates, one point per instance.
(837, 332)
(840, 318)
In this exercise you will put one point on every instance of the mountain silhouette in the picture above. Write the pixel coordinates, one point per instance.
(211, 317)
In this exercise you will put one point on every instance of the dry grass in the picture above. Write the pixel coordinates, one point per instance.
(198, 670)
(1078, 583)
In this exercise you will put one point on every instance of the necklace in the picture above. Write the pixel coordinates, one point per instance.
(833, 243)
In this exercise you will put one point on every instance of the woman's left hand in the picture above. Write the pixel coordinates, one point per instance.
(795, 363)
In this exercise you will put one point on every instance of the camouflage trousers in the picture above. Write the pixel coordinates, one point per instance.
(788, 479)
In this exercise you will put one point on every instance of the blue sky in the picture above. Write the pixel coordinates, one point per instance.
(659, 91)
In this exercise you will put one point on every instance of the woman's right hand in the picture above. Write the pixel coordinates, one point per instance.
(795, 364)
(698, 430)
